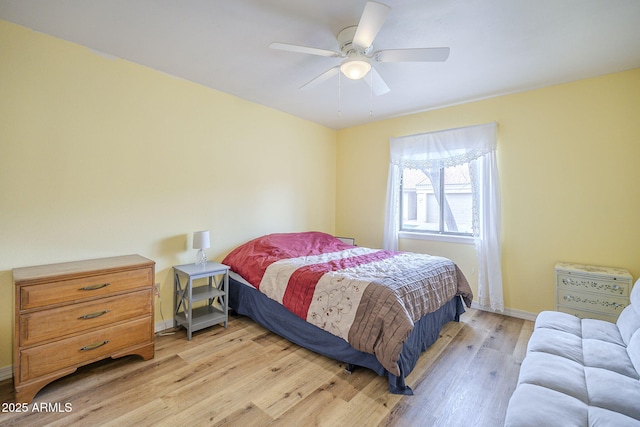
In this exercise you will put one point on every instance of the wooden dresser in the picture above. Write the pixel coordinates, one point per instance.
(594, 292)
(75, 313)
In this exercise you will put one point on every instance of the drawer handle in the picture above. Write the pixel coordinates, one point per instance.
(95, 287)
(94, 315)
(94, 346)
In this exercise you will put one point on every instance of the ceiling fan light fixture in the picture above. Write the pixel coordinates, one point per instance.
(355, 68)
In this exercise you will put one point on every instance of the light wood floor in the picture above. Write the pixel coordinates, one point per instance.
(247, 376)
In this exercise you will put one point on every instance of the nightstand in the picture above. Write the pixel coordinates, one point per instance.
(186, 294)
(589, 291)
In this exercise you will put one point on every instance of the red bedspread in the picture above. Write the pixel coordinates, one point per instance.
(251, 259)
(370, 298)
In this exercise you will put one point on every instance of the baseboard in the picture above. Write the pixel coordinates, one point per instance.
(509, 312)
(526, 315)
(6, 372)
(163, 325)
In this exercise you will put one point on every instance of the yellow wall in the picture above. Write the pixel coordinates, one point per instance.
(103, 157)
(569, 163)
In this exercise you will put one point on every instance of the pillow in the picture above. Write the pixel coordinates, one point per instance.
(251, 259)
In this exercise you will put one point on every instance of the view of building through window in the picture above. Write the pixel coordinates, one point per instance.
(428, 207)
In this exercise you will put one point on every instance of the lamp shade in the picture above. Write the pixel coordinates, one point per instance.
(355, 68)
(201, 239)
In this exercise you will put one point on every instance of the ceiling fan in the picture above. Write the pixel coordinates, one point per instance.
(356, 47)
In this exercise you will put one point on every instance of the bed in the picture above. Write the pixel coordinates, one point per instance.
(364, 307)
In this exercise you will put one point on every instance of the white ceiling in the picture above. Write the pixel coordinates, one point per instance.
(497, 46)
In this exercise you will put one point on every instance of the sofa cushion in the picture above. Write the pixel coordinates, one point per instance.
(605, 355)
(610, 390)
(559, 321)
(556, 373)
(556, 342)
(633, 349)
(603, 331)
(635, 296)
(535, 406)
(629, 320)
(606, 418)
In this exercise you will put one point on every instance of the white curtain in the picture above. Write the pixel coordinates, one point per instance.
(475, 145)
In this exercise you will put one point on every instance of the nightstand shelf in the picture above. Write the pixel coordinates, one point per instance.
(214, 292)
(201, 293)
(202, 317)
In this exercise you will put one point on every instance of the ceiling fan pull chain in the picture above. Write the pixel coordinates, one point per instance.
(371, 94)
(339, 95)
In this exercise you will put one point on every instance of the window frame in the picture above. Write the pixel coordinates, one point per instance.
(441, 234)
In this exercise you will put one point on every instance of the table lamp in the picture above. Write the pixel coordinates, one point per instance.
(201, 242)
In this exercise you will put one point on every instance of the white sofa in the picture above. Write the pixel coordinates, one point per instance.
(580, 372)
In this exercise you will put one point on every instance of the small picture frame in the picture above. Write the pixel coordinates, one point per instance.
(347, 240)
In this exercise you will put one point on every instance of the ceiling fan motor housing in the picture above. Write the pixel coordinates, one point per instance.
(345, 41)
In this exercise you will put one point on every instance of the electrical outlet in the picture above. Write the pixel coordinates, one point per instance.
(157, 290)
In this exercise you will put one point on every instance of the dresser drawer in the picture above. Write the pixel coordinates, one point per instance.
(593, 284)
(82, 288)
(55, 323)
(592, 302)
(78, 350)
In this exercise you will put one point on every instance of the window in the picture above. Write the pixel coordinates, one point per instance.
(437, 200)
(446, 182)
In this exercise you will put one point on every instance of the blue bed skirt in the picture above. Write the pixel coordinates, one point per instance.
(248, 301)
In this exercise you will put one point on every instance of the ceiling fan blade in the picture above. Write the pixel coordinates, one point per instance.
(428, 54)
(305, 49)
(377, 83)
(321, 78)
(371, 21)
